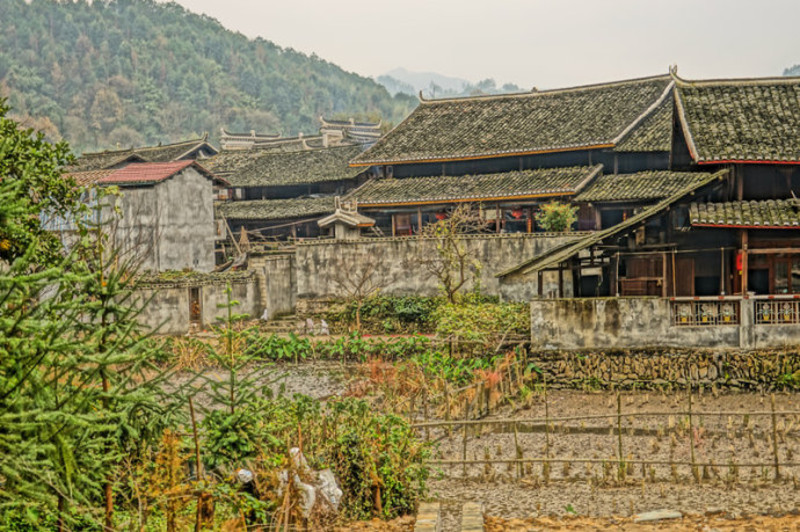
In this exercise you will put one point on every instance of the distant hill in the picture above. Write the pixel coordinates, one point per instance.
(132, 72)
(792, 71)
(433, 85)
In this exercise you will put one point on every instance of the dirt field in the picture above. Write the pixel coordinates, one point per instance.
(594, 489)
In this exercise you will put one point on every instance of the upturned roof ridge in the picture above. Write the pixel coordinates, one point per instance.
(546, 92)
(735, 82)
(189, 142)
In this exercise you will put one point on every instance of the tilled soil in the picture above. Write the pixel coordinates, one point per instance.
(688, 523)
(595, 490)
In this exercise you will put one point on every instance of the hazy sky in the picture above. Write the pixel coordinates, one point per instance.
(552, 43)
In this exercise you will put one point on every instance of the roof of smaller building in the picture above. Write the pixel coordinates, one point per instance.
(747, 120)
(161, 153)
(765, 214)
(256, 168)
(588, 117)
(650, 185)
(350, 218)
(136, 174)
(90, 177)
(276, 209)
(569, 249)
(518, 184)
(654, 133)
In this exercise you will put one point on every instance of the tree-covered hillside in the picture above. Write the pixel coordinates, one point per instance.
(129, 72)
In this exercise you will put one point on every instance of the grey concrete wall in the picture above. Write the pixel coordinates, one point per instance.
(167, 311)
(277, 282)
(619, 323)
(186, 222)
(397, 262)
(523, 288)
(166, 226)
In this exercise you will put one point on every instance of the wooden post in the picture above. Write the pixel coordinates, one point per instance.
(497, 218)
(394, 226)
(722, 271)
(546, 419)
(447, 410)
(691, 436)
(621, 472)
(674, 276)
(419, 219)
(745, 267)
(614, 288)
(664, 274)
(775, 439)
(425, 414)
(560, 282)
(517, 451)
(464, 447)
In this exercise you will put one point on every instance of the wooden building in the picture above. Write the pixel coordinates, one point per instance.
(493, 147)
(725, 238)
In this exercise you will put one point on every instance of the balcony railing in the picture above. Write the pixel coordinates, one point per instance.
(705, 312)
(777, 311)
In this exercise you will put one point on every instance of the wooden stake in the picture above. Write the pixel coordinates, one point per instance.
(621, 474)
(464, 448)
(691, 437)
(775, 439)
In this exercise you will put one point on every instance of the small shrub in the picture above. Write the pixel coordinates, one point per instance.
(557, 217)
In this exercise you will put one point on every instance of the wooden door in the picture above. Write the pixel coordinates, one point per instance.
(684, 276)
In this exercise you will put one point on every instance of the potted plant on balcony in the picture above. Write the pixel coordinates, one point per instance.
(684, 313)
(727, 312)
(765, 313)
(787, 311)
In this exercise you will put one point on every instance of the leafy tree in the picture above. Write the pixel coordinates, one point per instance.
(95, 67)
(75, 387)
(557, 217)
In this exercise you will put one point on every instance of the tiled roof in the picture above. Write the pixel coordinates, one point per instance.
(496, 126)
(277, 209)
(83, 179)
(653, 134)
(505, 185)
(741, 120)
(568, 250)
(650, 185)
(766, 214)
(153, 154)
(262, 168)
(149, 173)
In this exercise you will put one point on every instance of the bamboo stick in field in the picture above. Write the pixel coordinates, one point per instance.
(775, 439)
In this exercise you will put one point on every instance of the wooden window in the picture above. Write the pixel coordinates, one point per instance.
(195, 305)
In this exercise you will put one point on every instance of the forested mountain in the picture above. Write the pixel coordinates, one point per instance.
(129, 72)
(435, 85)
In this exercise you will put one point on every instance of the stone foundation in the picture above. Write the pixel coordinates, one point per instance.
(665, 369)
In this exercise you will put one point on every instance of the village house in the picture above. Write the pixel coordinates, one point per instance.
(163, 218)
(281, 187)
(511, 153)
(715, 263)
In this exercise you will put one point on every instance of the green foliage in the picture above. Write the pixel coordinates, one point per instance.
(456, 370)
(125, 72)
(557, 217)
(389, 314)
(32, 167)
(351, 347)
(376, 453)
(481, 322)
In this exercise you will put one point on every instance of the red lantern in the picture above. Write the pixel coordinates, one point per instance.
(517, 213)
(739, 262)
(440, 216)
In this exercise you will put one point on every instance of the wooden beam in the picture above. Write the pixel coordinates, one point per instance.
(773, 251)
(664, 275)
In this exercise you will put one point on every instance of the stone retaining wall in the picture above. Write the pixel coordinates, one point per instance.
(654, 369)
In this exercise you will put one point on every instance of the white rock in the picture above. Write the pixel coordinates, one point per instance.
(657, 515)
